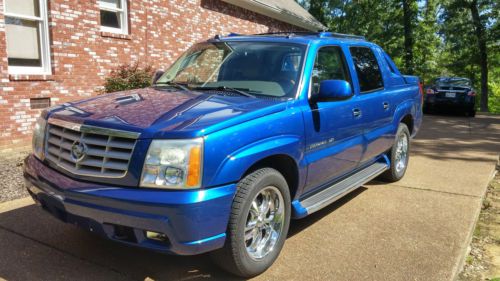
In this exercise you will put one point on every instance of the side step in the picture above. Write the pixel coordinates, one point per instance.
(343, 187)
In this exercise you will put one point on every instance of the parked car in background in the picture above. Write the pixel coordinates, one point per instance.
(240, 135)
(450, 93)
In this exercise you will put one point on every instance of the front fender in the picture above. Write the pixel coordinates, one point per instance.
(237, 163)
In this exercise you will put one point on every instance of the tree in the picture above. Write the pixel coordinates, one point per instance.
(466, 25)
(483, 53)
(427, 38)
(409, 20)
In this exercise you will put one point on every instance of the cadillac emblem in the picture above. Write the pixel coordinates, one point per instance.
(78, 151)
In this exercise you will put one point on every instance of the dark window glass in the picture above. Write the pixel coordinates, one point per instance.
(110, 19)
(367, 68)
(329, 65)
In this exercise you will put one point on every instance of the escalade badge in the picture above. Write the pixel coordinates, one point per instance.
(78, 151)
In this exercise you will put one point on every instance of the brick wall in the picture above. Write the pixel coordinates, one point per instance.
(82, 56)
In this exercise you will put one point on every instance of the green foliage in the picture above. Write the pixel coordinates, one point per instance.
(494, 99)
(128, 77)
(444, 38)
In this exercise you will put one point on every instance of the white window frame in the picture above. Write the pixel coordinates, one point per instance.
(124, 18)
(43, 25)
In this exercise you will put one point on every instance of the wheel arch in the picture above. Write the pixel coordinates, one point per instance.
(284, 164)
(408, 121)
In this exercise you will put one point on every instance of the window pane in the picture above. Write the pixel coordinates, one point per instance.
(23, 7)
(367, 68)
(114, 4)
(329, 65)
(23, 42)
(110, 19)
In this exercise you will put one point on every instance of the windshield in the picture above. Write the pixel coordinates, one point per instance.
(256, 68)
(464, 82)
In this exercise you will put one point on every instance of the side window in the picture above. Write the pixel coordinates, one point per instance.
(114, 16)
(367, 69)
(329, 65)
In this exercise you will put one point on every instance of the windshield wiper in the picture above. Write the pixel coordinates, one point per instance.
(243, 92)
(182, 86)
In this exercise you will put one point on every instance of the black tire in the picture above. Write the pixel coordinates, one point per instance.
(393, 175)
(233, 257)
(425, 108)
(471, 113)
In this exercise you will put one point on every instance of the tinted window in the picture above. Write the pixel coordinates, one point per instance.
(367, 68)
(329, 65)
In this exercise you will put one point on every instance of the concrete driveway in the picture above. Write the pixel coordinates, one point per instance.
(416, 229)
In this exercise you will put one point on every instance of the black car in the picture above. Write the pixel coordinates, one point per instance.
(450, 93)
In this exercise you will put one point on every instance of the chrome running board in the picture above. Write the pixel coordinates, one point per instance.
(338, 190)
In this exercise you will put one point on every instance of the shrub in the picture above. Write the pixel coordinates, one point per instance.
(494, 97)
(128, 77)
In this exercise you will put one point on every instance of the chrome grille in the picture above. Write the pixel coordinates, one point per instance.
(106, 152)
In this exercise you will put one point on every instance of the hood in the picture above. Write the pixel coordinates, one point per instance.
(164, 113)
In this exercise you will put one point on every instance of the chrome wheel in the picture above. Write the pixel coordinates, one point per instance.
(264, 223)
(401, 153)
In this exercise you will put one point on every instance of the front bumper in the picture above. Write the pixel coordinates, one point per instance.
(191, 222)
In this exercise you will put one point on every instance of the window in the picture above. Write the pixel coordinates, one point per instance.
(367, 69)
(27, 37)
(263, 69)
(329, 65)
(114, 16)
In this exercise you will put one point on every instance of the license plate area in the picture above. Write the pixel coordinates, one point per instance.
(450, 95)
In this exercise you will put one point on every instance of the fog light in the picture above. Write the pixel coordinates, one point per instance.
(156, 236)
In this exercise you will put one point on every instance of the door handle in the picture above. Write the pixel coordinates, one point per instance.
(386, 105)
(356, 112)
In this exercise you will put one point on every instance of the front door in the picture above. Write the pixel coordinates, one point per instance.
(334, 132)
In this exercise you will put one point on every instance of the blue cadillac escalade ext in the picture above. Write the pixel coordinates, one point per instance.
(238, 136)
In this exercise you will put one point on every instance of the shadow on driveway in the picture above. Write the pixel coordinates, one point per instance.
(37, 246)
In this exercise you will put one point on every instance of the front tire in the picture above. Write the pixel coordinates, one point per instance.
(258, 224)
(399, 155)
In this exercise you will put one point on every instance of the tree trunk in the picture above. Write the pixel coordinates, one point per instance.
(483, 54)
(408, 33)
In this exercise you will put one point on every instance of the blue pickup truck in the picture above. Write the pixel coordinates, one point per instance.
(240, 135)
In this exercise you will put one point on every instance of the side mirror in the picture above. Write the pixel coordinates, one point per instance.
(157, 76)
(334, 89)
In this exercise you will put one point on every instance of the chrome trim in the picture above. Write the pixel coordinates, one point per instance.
(93, 129)
(338, 190)
(88, 129)
(65, 124)
(450, 91)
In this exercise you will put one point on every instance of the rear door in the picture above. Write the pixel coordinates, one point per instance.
(376, 104)
(334, 135)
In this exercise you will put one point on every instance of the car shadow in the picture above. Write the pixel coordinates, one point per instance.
(296, 226)
(85, 254)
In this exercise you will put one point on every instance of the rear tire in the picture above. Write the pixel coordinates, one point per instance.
(260, 216)
(471, 113)
(399, 155)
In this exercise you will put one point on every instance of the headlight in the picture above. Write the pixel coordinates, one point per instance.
(173, 164)
(39, 137)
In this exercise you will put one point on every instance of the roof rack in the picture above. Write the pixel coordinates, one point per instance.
(321, 34)
(289, 34)
(340, 35)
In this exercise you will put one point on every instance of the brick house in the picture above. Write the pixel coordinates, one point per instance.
(54, 51)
